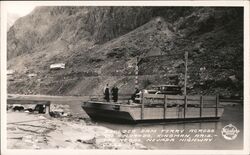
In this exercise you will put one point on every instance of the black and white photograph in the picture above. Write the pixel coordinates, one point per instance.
(124, 77)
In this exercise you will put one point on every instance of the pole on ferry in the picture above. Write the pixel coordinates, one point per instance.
(185, 78)
(185, 85)
(136, 72)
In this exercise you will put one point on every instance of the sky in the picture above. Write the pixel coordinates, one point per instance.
(20, 8)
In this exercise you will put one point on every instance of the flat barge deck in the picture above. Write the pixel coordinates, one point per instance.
(157, 107)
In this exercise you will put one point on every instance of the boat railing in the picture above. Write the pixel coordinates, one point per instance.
(116, 104)
(157, 99)
(121, 97)
(164, 101)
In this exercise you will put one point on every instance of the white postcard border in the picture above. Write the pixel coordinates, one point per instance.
(3, 54)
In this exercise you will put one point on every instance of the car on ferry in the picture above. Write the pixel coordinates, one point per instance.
(160, 89)
(167, 89)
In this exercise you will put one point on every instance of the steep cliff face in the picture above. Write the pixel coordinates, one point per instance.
(76, 24)
(100, 44)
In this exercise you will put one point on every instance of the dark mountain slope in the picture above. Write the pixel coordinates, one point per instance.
(99, 45)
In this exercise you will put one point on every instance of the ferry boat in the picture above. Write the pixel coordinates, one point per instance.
(156, 107)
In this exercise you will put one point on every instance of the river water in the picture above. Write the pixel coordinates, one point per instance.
(192, 135)
(197, 135)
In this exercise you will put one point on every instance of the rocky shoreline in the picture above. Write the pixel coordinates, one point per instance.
(40, 131)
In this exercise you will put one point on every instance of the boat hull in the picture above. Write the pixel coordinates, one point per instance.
(132, 114)
(109, 115)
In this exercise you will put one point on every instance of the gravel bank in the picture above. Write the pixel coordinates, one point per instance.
(40, 131)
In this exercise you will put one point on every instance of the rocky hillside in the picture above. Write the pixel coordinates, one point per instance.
(99, 45)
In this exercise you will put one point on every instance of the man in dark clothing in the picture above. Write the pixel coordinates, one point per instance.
(106, 93)
(134, 95)
(114, 92)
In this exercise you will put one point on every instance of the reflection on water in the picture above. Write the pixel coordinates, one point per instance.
(232, 115)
